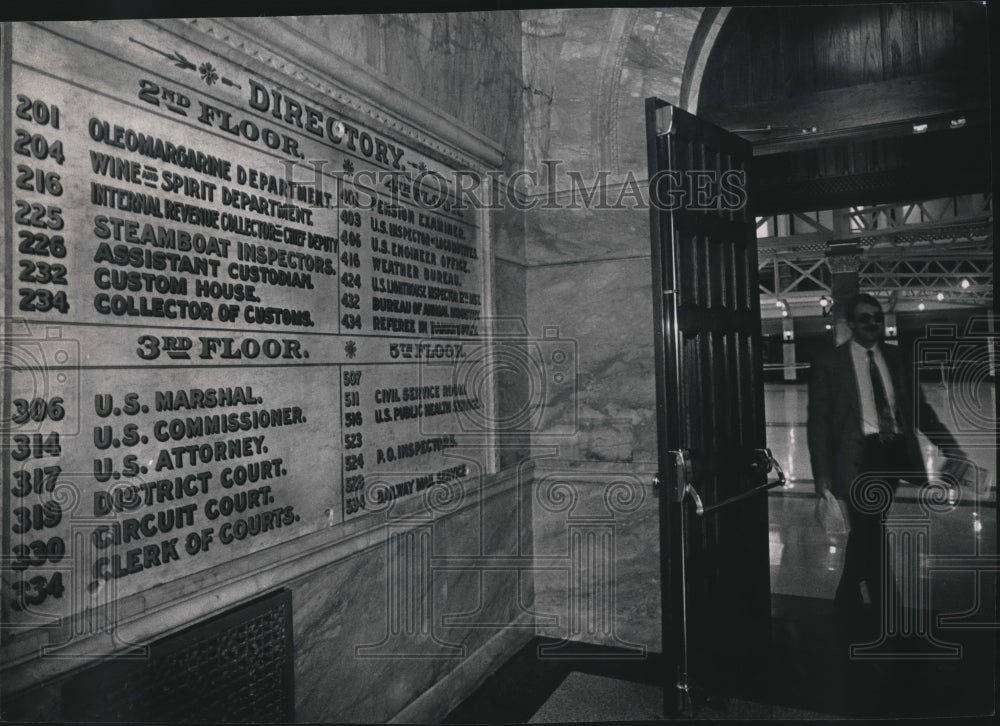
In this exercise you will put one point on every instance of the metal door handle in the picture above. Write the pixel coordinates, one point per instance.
(699, 508)
(764, 461)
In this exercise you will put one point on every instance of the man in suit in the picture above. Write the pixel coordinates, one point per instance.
(862, 404)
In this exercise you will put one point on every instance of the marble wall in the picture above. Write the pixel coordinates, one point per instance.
(406, 622)
(597, 578)
(588, 264)
(465, 64)
(361, 657)
(588, 72)
(563, 540)
(404, 616)
(468, 65)
(588, 275)
(377, 631)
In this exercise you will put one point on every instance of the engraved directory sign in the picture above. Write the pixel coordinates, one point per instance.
(221, 296)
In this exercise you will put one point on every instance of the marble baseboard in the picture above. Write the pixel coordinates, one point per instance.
(438, 701)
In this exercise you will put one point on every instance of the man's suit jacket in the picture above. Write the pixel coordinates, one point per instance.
(835, 433)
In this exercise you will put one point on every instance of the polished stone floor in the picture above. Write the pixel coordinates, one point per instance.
(809, 675)
(935, 655)
(960, 521)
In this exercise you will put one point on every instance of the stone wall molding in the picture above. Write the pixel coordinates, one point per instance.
(702, 43)
(607, 104)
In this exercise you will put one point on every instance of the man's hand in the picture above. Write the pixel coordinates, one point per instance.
(822, 484)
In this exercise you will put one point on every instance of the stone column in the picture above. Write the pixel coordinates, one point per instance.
(891, 329)
(788, 347)
(991, 343)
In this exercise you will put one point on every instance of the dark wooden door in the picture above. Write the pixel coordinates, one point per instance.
(710, 405)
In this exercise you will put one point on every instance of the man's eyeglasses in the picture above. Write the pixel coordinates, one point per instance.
(865, 318)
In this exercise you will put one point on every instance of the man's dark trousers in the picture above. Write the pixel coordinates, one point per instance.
(881, 463)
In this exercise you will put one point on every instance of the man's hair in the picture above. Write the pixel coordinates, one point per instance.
(861, 298)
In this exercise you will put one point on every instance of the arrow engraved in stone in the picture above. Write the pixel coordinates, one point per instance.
(179, 60)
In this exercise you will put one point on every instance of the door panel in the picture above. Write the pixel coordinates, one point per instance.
(714, 566)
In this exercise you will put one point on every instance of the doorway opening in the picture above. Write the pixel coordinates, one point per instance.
(870, 132)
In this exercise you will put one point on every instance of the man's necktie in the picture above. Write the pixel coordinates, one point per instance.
(886, 417)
